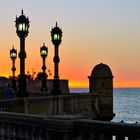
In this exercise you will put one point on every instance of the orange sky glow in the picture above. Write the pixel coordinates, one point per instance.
(94, 32)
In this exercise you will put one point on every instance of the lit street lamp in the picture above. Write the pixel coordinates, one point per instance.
(13, 56)
(44, 54)
(22, 30)
(56, 34)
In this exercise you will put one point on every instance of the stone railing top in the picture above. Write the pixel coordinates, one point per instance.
(71, 124)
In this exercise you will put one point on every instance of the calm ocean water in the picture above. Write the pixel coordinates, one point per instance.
(126, 103)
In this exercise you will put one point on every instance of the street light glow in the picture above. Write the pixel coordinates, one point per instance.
(20, 27)
(56, 37)
(13, 55)
(43, 52)
(23, 26)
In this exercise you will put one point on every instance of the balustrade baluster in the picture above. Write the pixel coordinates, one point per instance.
(120, 138)
(13, 132)
(92, 137)
(68, 137)
(21, 134)
(29, 129)
(106, 137)
(56, 136)
(2, 131)
(26, 129)
(96, 137)
(9, 132)
(46, 135)
(43, 134)
(32, 133)
(18, 133)
(133, 138)
(5, 131)
(78, 137)
(85, 136)
(38, 134)
(6, 107)
(10, 107)
(2, 108)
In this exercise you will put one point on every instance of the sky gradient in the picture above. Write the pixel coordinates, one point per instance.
(94, 31)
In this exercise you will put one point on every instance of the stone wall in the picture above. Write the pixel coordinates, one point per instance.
(105, 103)
(62, 105)
(15, 126)
(87, 104)
(35, 86)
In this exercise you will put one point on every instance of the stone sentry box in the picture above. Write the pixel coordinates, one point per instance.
(101, 83)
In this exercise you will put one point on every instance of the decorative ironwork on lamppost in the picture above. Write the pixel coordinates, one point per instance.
(13, 56)
(22, 30)
(56, 34)
(44, 54)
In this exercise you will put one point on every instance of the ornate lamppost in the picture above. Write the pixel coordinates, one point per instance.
(22, 30)
(13, 56)
(56, 34)
(44, 54)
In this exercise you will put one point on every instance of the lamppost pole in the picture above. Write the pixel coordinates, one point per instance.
(22, 30)
(56, 34)
(13, 68)
(44, 53)
(22, 56)
(56, 61)
(13, 55)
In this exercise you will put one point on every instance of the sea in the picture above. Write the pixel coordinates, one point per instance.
(126, 103)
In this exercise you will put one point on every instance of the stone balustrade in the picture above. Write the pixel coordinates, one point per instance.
(13, 105)
(88, 104)
(15, 126)
(52, 105)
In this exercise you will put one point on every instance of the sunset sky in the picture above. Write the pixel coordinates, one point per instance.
(94, 31)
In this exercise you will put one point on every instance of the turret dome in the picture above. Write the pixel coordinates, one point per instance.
(101, 71)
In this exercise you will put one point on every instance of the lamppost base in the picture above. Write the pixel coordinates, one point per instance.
(44, 91)
(56, 92)
(44, 85)
(56, 87)
(22, 87)
(14, 87)
(22, 94)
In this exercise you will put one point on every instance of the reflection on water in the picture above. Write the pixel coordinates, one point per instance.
(127, 104)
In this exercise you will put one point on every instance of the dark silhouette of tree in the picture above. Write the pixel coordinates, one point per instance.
(40, 76)
(29, 76)
(3, 78)
(10, 77)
